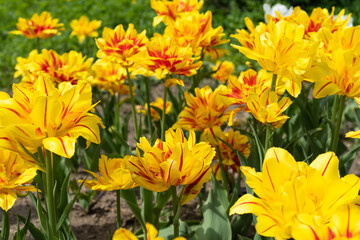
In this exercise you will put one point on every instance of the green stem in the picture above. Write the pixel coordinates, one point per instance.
(133, 105)
(269, 129)
(50, 203)
(334, 110)
(38, 45)
(338, 123)
(163, 115)
(268, 137)
(176, 209)
(273, 82)
(333, 119)
(5, 231)
(196, 79)
(117, 109)
(118, 208)
(224, 173)
(147, 87)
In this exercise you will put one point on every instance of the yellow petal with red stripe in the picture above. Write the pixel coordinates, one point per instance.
(328, 165)
(7, 199)
(353, 134)
(173, 82)
(123, 234)
(63, 146)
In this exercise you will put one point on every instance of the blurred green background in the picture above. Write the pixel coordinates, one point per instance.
(227, 13)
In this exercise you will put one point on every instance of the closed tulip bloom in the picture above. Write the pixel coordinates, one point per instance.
(15, 176)
(176, 161)
(39, 26)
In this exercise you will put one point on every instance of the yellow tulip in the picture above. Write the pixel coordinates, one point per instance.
(114, 175)
(14, 173)
(163, 57)
(68, 67)
(152, 233)
(109, 76)
(83, 28)
(204, 110)
(280, 48)
(223, 70)
(39, 26)
(195, 30)
(50, 117)
(267, 108)
(229, 158)
(120, 46)
(177, 161)
(291, 195)
(168, 11)
(337, 70)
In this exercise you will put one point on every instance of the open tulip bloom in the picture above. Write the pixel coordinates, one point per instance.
(291, 196)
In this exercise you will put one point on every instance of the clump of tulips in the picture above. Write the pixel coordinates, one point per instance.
(289, 150)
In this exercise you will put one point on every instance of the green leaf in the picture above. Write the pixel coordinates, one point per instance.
(215, 224)
(36, 233)
(68, 208)
(168, 232)
(64, 194)
(42, 215)
(130, 198)
(147, 205)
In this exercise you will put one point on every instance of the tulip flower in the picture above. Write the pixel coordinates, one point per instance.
(168, 11)
(267, 108)
(223, 70)
(152, 234)
(204, 110)
(279, 48)
(50, 117)
(68, 67)
(109, 76)
(39, 26)
(83, 28)
(14, 173)
(175, 161)
(114, 175)
(195, 30)
(120, 46)
(291, 196)
(164, 57)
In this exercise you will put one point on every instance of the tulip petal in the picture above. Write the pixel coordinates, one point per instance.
(328, 165)
(7, 199)
(123, 234)
(63, 146)
(248, 204)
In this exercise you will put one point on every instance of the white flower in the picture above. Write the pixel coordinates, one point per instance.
(282, 9)
(344, 17)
